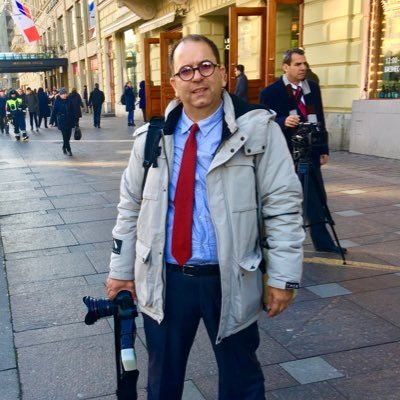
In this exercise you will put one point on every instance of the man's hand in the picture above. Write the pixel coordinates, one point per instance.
(292, 121)
(323, 159)
(278, 300)
(114, 286)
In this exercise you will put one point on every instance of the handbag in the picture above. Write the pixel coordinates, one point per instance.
(77, 133)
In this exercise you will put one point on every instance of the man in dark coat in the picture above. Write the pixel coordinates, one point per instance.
(142, 99)
(76, 105)
(3, 104)
(96, 100)
(44, 109)
(86, 98)
(32, 103)
(296, 99)
(63, 113)
(130, 100)
(241, 88)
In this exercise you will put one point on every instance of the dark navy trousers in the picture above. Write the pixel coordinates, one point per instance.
(188, 299)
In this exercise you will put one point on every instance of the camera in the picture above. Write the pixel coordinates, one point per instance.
(124, 311)
(308, 136)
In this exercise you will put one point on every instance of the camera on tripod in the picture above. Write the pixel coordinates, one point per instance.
(124, 311)
(308, 136)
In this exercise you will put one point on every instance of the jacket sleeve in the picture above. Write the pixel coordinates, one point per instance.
(125, 232)
(280, 194)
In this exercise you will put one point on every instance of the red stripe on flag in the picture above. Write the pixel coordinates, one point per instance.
(32, 34)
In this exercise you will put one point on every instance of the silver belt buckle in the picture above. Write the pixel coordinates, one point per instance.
(186, 269)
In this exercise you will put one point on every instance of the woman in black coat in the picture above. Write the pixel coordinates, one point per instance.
(76, 103)
(44, 109)
(65, 115)
(129, 102)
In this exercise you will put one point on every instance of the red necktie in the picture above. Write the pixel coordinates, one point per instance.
(301, 105)
(184, 198)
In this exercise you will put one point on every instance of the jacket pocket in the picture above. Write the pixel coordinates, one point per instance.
(249, 288)
(142, 265)
(153, 184)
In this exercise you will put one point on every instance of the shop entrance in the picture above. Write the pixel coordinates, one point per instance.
(258, 37)
(159, 92)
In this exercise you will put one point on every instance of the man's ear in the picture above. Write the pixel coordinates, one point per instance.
(285, 67)
(173, 84)
(224, 75)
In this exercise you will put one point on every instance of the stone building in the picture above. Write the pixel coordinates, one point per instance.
(353, 47)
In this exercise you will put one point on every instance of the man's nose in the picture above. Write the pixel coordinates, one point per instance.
(197, 75)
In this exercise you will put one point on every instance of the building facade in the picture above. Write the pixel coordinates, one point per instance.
(353, 47)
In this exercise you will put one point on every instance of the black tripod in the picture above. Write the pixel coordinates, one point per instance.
(302, 154)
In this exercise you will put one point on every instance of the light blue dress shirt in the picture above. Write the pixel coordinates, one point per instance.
(204, 244)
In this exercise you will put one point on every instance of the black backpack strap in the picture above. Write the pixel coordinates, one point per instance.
(152, 149)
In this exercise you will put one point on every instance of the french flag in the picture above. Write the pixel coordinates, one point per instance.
(23, 20)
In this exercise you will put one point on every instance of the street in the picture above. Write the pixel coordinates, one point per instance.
(339, 340)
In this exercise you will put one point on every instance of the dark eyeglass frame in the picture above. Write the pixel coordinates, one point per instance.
(194, 69)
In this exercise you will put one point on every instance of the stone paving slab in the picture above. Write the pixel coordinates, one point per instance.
(47, 268)
(37, 239)
(51, 303)
(310, 370)
(307, 329)
(37, 253)
(92, 232)
(29, 220)
(373, 283)
(9, 384)
(58, 333)
(384, 302)
(100, 258)
(366, 360)
(7, 358)
(26, 194)
(92, 214)
(383, 384)
(78, 200)
(317, 391)
(63, 190)
(106, 185)
(22, 206)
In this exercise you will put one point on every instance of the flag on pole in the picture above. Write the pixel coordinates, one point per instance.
(23, 20)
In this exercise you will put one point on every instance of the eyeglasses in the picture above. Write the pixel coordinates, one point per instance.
(205, 68)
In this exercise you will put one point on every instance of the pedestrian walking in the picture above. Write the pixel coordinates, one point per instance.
(241, 87)
(76, 105)
(17, 108)
(3, 105)
(295, 100)
(32, 103)
(187, 244)
(44, 109)
(62, 112)
(130, 100)
(86, 98)
(96, 100)
(142, 99)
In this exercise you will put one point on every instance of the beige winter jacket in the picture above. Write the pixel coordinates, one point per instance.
(254, 154)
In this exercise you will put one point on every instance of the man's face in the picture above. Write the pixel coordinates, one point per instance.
(237, 72)
(63, 96)
(296, 71)
(201, 96)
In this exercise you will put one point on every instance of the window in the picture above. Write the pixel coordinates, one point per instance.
(71, 24)
(60, 34)
(79, 23)
(384, 55)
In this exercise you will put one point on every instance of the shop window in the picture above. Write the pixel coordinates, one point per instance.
(287, 32)
(94, 71)
(384, 55)
(130, 46)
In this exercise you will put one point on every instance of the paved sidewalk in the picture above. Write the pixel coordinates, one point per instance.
(339, 340)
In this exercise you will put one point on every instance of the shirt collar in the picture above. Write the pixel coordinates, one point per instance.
(205, 125)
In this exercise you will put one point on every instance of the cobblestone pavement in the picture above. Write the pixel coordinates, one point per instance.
(339, 340)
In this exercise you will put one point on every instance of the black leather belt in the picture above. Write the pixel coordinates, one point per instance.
(195, 270)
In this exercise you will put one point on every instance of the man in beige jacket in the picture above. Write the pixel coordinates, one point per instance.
(240, 172)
